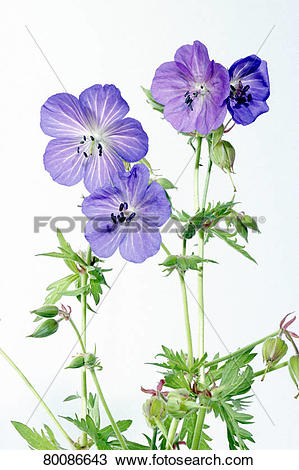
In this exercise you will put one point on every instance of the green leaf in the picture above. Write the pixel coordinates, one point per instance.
(232, 242)
(93, 409)
(66, 246)
(131, 445)
(75, 292)
(165, 183)
(107, 432)
(150, 100)
(35, 440)
(72, 397)
(58, 288)
(236, 434)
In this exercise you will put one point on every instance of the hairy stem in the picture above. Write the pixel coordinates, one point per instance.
(78, 335)
(239, 351)
(113, 423)
(153, 442)
(198, 429)
(279, 366)
(38, 397)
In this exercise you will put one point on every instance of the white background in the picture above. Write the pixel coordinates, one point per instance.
(90, 42)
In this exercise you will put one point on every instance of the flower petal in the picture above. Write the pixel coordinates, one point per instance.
(103, 202)
(140, 244)
(247, 114)
(195, 58)
(217, 82)
(61, 116)
(169, 82)
(100, 170)
(103, 236)
(63, 162)
(252, 71)
(133, 184)
(155, 208)
(128, 139)
(180, 115)
(102, 105)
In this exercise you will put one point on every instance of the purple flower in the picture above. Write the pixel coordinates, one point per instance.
(91, 136)
(193, 90)
(127, 215)
(249, 89)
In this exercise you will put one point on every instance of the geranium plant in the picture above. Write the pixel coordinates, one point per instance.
(125, 204)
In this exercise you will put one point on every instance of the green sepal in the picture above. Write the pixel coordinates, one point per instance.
(150, 100)
(165, 183)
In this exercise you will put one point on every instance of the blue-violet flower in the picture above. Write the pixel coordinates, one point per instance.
(249, 89)
(127, 215)
(193, 89)
(92, 137)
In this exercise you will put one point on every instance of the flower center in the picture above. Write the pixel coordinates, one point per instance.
(240, 95)
(124, 214)
(89, 146)
(199, 89)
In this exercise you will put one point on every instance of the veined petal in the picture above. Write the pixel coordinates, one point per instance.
(133, 184)
(128, 139)
(155, 208)
(217, 82)
(169, 82)
(103, 236)
(180, 115)
(195, 58)
(100, 170)
(63, 162)
(211, 116)
(141, 243)
(102, 105)
(103, 202)
(61, 116)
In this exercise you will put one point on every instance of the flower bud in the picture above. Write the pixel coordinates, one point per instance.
(179, 404)
(47, 328)
(223, 155)
(294, 370)
(90, 360)
(154, 408)
(273, 350)
(47, 311)
(78, 361)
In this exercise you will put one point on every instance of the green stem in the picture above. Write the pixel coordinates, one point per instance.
(239, 351)
(171, 433)
(78, 335)
(38, 397)
(186, 309)
(162, 428)
(206, 185)
(196, 173)
(279, 366)
(153, 442)
(113, 423)
(198, 429)
(84, 280)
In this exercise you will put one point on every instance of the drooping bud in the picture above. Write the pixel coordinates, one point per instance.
(273, 351)
(179, 404)
(223, 155)
(154, 409)
(47, 311)
(77, 362)
(294, 370)
(47, 328)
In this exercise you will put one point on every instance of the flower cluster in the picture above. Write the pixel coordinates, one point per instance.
(197, 92)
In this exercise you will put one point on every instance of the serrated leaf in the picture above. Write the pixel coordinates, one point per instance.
(107, 432)
(232, 242)
(35, 440)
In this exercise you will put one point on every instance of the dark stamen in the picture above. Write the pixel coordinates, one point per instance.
(121, 217)
(131, 217)
(78, 149)
(125, 206)
(113, 218)
(121, 207)
(246, 88)
(84, 137)
(91, 137)
(100, 149)
(85, 154)
(249, 97)
(82, 142)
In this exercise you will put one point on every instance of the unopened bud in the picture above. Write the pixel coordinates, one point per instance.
(294, 370)
(179, 404)
(154, 409)
(274, 349)
(47, 311)
(77, 362)
(223, 155)
(47, 328)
